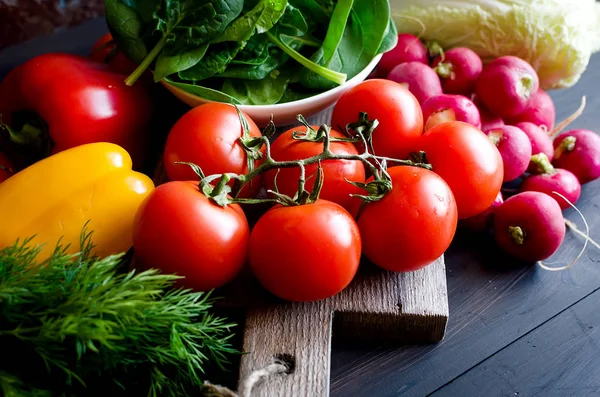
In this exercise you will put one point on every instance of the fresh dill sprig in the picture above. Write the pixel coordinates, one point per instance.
(74, 325)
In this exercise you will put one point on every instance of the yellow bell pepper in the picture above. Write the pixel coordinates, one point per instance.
(56, 196)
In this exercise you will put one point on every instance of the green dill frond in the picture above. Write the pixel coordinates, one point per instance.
(74, 320)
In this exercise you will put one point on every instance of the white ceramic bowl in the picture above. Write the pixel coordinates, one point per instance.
(285, 113)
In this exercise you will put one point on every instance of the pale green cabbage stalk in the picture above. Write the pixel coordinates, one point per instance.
(556, 36)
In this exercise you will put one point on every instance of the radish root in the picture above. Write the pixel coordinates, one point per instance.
(563, 124)
(571, 225)
(586, 235)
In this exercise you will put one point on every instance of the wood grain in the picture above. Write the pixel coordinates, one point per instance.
(377, 304)
(559, 358)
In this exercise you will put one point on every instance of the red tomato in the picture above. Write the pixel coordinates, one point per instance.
(6, 167)
(468, 161)
(335, 188)
(397, 110)
(179, 230)
(207, 136)
(105, 51)
(413, 224)
(306, 252)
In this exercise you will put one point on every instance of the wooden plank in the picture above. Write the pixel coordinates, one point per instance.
(493, 300)
(409, 307)
(302, 331)
(559, 358)
(377, 304)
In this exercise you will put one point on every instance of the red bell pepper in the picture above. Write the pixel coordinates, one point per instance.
(105, 51)
(57, 101)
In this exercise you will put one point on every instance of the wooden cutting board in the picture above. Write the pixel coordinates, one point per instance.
(377, 306)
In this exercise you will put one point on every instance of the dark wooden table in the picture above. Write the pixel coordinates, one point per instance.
(514, 330)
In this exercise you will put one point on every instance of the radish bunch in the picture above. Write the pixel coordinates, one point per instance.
(503, 98)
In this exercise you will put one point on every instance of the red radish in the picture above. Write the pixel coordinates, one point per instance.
(409, 49)
(463, 109)
(488, 119)
(529, 226)
(459, 70)
(578, 151)
(540, 111)
(484, 221)
(420, 79)
(506, 86)
(540, 141)
(551, 180)
(514, 147)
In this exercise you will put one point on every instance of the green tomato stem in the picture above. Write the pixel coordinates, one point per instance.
(327, 154)
(364, 128)
(139, 71)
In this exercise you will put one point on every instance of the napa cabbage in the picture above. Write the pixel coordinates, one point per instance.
(556, 36)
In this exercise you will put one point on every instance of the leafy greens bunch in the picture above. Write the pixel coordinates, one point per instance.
(76, 325)
(253, 52)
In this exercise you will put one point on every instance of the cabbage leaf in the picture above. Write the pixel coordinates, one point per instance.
(556, 36)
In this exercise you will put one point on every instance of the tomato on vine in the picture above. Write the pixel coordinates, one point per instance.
(178, 229)
(396, 109)
(299, 143)
(208, 136)
(413, 224)
(305, 252)
(468, 161)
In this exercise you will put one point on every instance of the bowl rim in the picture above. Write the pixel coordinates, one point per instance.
(360, 76)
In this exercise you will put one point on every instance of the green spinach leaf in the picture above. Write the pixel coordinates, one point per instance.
(360, 42)
(255, 52)
(312, 11)
(196, 22)
(170, 64)
(292, 23)
(260, 58)
(259, 19)
(258, 92)
(292, 95)
(215, 61)
(326, 55)
(145, 8)
(390, 39)
(126, 27)
(204, 92)
(275, 59)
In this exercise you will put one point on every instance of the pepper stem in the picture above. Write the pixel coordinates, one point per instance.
(29, 135)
